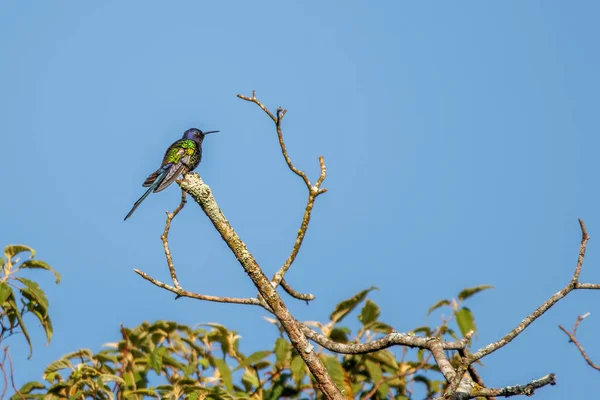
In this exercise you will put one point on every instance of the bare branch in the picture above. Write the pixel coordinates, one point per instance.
(165, 240)
(516, 390)
(201, 193)
(584, 239)
(393, 338)
(541, 309)
(300, 296)
(12, 374)
(184, 293)
(4, 374)
(313, 191)
(490, 348)
(573, 339)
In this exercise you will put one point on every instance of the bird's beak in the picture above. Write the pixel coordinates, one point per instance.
(206, 133)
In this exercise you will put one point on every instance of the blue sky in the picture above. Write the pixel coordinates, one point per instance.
(460, 141)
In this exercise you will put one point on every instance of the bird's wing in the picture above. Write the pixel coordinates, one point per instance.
(173, 173)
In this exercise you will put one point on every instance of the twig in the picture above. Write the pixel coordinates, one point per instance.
(516, 390)
(300, 296)
(165, 240)
(184, 293)
(573, 339)
(201, 193)
(4, 375)
(12, 374)
(313, 191)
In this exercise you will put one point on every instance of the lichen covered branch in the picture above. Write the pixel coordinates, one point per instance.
(300, 296)
(201, 193)
(185, 293)
(516, 390)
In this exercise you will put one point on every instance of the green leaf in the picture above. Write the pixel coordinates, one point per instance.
(112, 378)
(81, 353)
(465, 320)
(384, 357)
(282, 351)
(30, 386)
(378, 326)
(346, 306)
(5, 292)
(298, 369)
(155, 359)
(225, 373)
(466, 293)
(253, 358)
(38, 264)
(437, 305)
(57, 366)
(250, 381)
(33, 291)
(422, 329)
(374, 371)
(42, 315)
(369, 313)
(333, 366)
(144, 392)
(13, 249)
(340, 334)
(14, 312)
(376, 375)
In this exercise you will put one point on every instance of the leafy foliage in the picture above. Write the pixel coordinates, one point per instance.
(19, 296)
(169, 361)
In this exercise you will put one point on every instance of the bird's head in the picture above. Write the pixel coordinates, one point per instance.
(196, 134)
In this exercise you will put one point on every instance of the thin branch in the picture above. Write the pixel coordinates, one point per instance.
(592, 286)
(4, 374)
(573, 339)
(541, 309)
(313, 191)
(516, 390)
(201, 193)
(393, 338)
(300, 296)
(184, 293)
(165, 240)
(12, 374)
(490, 348)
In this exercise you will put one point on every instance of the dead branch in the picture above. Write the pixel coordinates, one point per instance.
(313, 191)
(516, 390)
(572, 337)
(184, 293)
(165, 240)
(490, 348)
(300, 296)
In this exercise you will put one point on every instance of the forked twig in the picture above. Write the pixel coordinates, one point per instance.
(572, 337)
(313, 191)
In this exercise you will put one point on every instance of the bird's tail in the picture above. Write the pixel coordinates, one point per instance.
(159, 176)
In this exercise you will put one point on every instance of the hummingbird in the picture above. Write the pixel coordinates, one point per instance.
(181, 157)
